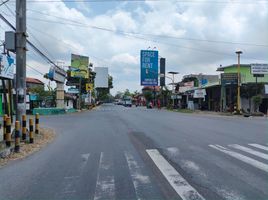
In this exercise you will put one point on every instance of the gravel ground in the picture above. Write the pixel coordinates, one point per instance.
(46, 136)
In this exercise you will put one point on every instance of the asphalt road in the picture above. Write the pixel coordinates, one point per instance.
(114, 152)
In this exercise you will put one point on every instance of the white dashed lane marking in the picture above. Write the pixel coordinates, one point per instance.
(241, 157)
(179, 184)
(250, 151)
(259, 146)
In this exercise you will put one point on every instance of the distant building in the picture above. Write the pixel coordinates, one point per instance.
(251, 85)
(33, 82)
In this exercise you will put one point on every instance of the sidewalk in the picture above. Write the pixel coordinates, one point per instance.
(213, 113)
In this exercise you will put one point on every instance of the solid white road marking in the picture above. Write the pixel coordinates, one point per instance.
(241, 157)
(251, 151)
(179, 184)
(105, 187)
(259, 146)
(139, 179)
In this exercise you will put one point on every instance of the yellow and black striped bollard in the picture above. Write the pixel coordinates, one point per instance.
(8, 132)
(31, 128)
(37, 123)
(4, 126)
(17, 136)
(24, 130)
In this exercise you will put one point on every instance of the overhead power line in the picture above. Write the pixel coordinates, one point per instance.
(33, 69)
(137, 37)
(32, 35)
(3, 2)
(179, 1)
(141, 34)
(30, 43)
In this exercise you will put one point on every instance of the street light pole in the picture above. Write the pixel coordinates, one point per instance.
(173, 90)
(238, 82)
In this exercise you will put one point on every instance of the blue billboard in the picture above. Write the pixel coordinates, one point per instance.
(149, 67)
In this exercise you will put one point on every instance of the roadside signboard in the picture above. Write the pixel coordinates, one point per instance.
(101, 79)
(189, 84)
(266, 89)
(73, 90)
(79, 66)
(162, 71)
(229, 78)
(57, 74)
(200, 93)
(149, 67)
(259, 68)
(7, 65)
(89, 87)
(176, 96)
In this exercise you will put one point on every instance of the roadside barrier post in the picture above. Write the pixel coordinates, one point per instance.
(37, 123)
(17, 136)
(4, 126)
(31, 128)
(8, 132)
(24, 130)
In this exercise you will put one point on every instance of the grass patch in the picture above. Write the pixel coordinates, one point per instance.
(184, 110)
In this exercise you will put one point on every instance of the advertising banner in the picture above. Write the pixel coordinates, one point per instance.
(149, 67)
(229, 78)
(101, 79)
(73, 91)
(57, 74)
(7, 65)
(189, 84)
(200, 93)
(266, 89)
(79, 66)
(259, 68)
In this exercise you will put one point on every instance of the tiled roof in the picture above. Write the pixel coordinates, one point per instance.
(34, 80)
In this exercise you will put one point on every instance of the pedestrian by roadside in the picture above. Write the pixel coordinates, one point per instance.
(158, 104)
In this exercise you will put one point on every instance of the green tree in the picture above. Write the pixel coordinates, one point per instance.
(148, 96)
(118, 95)
(47, 96)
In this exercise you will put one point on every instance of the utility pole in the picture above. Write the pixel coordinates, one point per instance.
(20, 58)
(238, 82)
(173, 88)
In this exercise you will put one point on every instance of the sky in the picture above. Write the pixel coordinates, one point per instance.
(195, 36)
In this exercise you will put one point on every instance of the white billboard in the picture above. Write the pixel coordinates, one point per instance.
(101, 79)
(200, 93)
(259, 68)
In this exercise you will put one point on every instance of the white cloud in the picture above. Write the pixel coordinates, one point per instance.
(224, 22)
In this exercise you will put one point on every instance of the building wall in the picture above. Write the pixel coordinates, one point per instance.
(68, 104)
(246, 76)
(32, 85)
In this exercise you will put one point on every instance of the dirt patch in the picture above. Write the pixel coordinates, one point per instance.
(46, 136)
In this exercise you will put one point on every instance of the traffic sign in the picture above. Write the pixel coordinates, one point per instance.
(89, 87)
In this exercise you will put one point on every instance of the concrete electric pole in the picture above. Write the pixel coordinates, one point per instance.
(20, 58)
